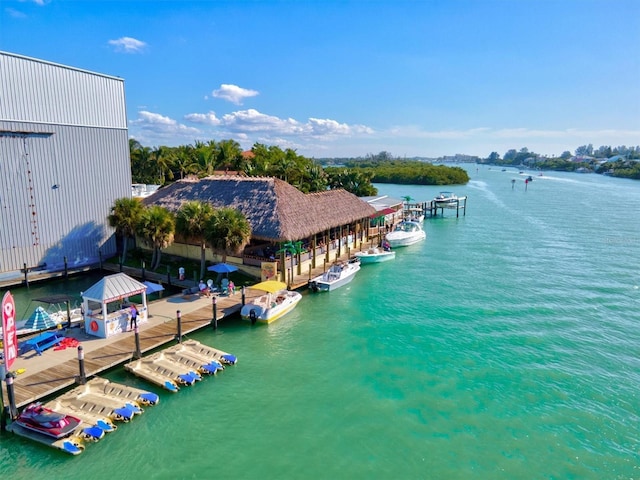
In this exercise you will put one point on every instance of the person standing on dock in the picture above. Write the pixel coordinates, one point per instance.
(134, 317)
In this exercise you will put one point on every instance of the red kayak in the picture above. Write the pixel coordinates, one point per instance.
(46, 421)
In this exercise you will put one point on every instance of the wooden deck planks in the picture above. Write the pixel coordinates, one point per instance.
(52, 380)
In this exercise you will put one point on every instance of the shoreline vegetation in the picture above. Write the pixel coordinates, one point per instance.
(622, 161)
(165, 165)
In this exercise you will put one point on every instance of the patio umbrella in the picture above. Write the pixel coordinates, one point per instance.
(39, 320)
(222, 268)
(153, 287)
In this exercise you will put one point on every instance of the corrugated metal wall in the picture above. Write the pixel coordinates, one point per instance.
(36, 91)
(62, 164)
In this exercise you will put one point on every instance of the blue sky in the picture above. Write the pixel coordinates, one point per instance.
(348, 78)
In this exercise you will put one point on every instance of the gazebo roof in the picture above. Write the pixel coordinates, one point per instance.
(114, 287)
(276, 210)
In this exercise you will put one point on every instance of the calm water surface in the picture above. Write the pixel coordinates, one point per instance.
(505, 346)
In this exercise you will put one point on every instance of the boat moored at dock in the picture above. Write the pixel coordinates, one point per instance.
(375, 255)
(338, 275)
(276, 302)
(406, 233)
(446, 200)
(180, 365)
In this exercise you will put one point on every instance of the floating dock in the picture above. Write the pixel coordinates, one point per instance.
(180, 365)
(98, 404)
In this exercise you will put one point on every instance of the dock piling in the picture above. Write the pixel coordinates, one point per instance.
(179, 323)
(214, 320)
(136, 333)
(11, 397)
(243, 295)
(82, 378)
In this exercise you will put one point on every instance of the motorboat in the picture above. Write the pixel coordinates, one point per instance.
(339, 274)
(446, 200)
(375, 255)
(43, 420)
(406, 233)
(276, 302)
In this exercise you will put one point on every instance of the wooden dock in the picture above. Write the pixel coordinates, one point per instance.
(43, 382)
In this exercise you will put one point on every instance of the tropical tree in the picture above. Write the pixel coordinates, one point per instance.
(124, 217)
(163, 157)
(191, 222)
(227, 231)
(205, 154)
(229, 154)
(184, 161)
(292, 249)
(156, 227)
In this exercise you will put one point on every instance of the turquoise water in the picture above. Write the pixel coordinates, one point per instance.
(506, 346)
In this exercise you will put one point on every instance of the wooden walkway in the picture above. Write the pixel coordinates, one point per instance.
(49, 381)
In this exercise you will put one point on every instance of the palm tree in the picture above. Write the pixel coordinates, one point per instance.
(157, 226)
(229, 154)
(124, 217)
(191, 221)
(293, 249)
(185, 161)
(206, 157)
(163, 158)
(227, 231)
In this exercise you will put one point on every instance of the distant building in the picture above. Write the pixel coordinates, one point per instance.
(64, 159)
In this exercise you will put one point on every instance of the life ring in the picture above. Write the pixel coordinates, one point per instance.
(94, 326)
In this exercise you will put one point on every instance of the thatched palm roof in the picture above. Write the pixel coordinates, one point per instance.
(276, 210)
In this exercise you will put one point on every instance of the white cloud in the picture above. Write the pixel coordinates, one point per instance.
(128, 45)
(203, 118)
(253, 121)
(233, 93)
(155, 129)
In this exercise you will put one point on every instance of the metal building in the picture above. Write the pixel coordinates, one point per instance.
(64, 159)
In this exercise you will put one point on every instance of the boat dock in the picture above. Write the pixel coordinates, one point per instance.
(55, 370)
(98, 404)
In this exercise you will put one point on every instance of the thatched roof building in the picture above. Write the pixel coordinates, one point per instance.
(277, 211)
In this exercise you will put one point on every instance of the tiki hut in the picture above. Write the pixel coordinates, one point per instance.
(276, 211)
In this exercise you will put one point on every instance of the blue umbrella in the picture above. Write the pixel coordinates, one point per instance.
(153, 287)
(222, 268)
(39, 320)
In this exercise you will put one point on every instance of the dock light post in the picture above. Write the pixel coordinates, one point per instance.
(179, 322)
(243, 295)
(82, 379)
(11, 398)
(136, 334)
(3, 411)
(214, 320)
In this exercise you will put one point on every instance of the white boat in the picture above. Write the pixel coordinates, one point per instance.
(406, 233)
(276, 302)
(375, 255)
(446, 200)
(339, 274)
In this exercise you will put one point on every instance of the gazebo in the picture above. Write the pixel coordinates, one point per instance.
(106, 305)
